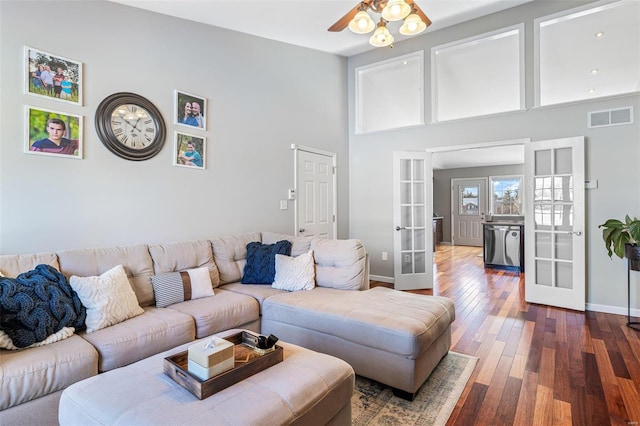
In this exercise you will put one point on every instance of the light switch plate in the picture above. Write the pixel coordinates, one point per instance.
(284, 205)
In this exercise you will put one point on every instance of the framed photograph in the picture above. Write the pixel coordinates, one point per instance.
(53, 76)
(190, 151)
(190, 110)
(53, 133)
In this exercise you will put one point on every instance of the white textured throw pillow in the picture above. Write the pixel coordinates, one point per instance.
(295, 273)
(109, 298)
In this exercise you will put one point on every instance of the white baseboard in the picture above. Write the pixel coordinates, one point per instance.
(381, 278)
(608, 309)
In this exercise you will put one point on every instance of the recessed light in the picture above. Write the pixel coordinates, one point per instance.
(405, 63)
(591, 91)
(599, 34)
(595, 71)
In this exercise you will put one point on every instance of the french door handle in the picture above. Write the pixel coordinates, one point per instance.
(400, 228)
(578, 233)
(301, 230)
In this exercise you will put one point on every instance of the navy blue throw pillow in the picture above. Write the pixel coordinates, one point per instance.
(261, 261)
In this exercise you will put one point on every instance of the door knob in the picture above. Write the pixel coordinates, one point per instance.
(400, 228)
(301, 230)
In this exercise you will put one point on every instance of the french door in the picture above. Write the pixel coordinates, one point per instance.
(412, 217)
(554, 223)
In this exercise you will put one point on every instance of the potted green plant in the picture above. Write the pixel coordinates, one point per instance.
(622, 238)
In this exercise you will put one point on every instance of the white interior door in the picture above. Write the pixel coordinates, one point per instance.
(316, 193)
(468, 207)
(412, 218)
(554, 223)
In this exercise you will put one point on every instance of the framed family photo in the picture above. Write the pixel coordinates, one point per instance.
(53, 133)
(52, 76)
(190, 110)
(189, 151)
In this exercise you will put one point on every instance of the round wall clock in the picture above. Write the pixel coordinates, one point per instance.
(130, 126)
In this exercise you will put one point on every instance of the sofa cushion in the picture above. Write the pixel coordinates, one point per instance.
(340, 264)
(257, 291)
(174, 257)
(108, 298)
(176, 287)
(295, 273)
(260, 267)
(14, 265)
(64, 333)
(299, 245)
(224, 311)
(156, 330)
(370, 318)
(33, 373)
(230, 254)
(135, 259)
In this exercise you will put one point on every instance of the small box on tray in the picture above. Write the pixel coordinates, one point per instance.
(211, 357)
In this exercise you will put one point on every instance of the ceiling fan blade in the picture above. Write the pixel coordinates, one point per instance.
(342, 23)
(419, 11)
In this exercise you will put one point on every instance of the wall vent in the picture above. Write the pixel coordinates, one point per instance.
(611, 117)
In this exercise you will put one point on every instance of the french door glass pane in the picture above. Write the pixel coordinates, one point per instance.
(564, 275)
(543, 245)
(420, 262)
(405, 216)
(563, 161)
(418, 170)
(405, 193)
(542, 216)
(405, 240)
(543, 272)
(405, 170)
(564, 246)
(542, 162)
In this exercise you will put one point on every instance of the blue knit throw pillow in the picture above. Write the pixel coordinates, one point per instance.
(261, 261)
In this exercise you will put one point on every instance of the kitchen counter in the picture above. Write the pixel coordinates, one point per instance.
(505, 222)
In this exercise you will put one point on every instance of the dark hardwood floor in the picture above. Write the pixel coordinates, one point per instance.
(538, 365)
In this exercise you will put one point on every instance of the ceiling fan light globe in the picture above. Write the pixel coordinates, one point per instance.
(362, 23)
(412, 25)
(396, 10)
(381, 37)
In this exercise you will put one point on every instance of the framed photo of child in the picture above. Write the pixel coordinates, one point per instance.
(190, 151)
(53, 76)
(190, 110)
(53, 133)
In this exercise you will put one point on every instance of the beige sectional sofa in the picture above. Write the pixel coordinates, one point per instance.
(341, 317)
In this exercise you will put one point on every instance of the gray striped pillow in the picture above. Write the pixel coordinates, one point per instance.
(176, 287)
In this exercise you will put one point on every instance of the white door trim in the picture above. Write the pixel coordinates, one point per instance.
(295, 148)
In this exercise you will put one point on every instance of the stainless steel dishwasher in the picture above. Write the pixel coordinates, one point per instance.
(503, 246)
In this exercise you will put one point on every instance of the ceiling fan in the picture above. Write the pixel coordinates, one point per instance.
(359, 21)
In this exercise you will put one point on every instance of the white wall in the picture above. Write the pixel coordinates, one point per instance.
(262, 97)
(612, 153)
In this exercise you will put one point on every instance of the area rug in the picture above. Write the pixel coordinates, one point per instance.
(374, 404)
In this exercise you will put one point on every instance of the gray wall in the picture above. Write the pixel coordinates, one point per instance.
(612, 153)
(442, 188)
(262, 97)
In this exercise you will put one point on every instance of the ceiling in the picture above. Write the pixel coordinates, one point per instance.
(305, 22)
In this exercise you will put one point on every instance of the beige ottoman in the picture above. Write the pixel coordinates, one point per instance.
(305, 388)
(390, 336)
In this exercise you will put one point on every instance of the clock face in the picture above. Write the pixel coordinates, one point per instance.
(133, 126)
(130, 126)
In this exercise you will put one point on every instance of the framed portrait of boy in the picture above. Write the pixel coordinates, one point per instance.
(190, 151)
(53, 133)
(52, 76)
(190, 110)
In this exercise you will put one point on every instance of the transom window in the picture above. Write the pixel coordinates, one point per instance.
(506, 195)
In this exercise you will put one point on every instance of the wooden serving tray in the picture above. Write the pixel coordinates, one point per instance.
(247, 363)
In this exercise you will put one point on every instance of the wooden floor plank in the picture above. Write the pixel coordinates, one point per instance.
(537, 365)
